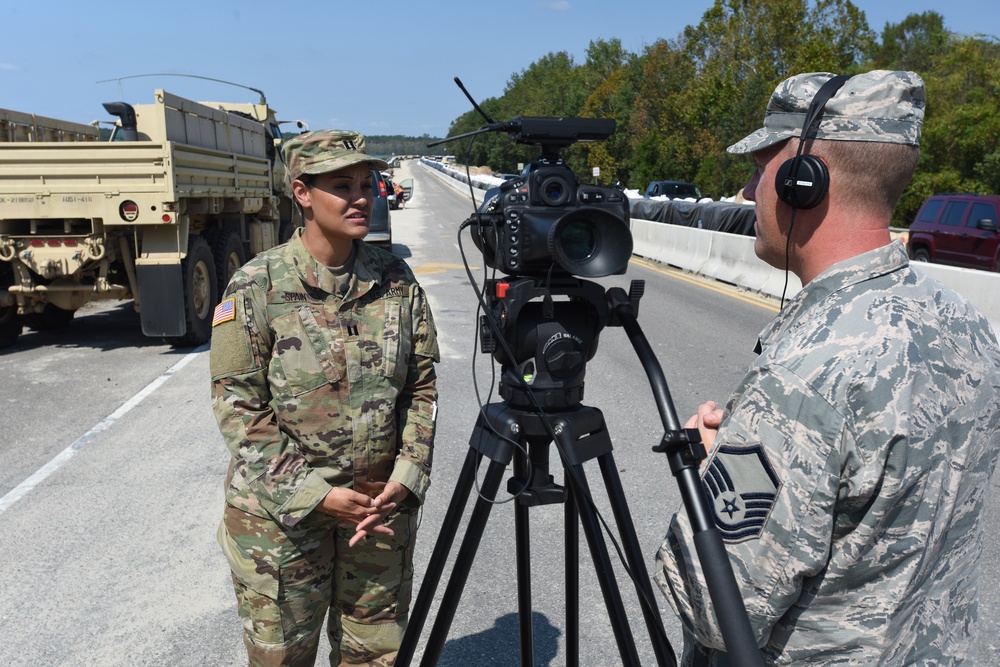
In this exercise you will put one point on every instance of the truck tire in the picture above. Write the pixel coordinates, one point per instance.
(201, 293)
(10, 321)
(921, 255)
(227, 250)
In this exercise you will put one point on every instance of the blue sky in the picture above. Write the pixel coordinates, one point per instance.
(377, 67)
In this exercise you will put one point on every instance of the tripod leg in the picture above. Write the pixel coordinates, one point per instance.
(633, 553)
(463, 563)
(577, 482)
(522, 550)
(572, 530)
(435, 567)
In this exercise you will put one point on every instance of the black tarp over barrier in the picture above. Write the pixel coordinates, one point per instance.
(716, 216)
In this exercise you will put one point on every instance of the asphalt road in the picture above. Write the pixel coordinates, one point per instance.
(111, 474)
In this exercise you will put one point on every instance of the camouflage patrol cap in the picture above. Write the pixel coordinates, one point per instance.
(879, 106)
(326, 150)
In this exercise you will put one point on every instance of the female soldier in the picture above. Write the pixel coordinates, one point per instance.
(322, 359)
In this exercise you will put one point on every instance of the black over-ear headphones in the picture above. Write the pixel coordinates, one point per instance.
(802, 181)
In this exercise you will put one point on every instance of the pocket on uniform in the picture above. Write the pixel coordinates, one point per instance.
(395, 342)
(304, 352)
(255, 575)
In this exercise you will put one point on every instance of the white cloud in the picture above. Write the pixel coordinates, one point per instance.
(556, 5)
(7, 67)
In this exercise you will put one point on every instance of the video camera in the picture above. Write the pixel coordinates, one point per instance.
(545, 220)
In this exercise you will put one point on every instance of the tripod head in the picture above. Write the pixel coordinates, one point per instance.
(550, 330)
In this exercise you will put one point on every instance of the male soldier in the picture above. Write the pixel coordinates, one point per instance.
(323, 354)
(849, 469)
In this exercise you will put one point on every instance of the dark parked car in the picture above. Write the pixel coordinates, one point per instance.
(380, 229)
(673, 190)
(957, 229)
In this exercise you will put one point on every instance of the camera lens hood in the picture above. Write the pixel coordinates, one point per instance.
(590, 242)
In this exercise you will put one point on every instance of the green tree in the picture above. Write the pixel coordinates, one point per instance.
(604, 60)
(601, 79)
(961, 134)
(741, 50)
(656, 129)
(912, 44)
(613, 98)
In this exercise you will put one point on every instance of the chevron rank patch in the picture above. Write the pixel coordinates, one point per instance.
(225, 311)
(743, 486)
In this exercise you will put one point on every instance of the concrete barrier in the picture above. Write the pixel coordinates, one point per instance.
(684, 247)
(731, 258)
(727, 260)
(441, 171)
(645, 241)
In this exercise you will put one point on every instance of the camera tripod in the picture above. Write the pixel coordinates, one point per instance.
(506, 432)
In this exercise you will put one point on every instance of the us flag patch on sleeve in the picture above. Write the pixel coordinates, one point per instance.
(225, 311)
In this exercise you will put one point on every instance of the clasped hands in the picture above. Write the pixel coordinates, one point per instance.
(366, 513)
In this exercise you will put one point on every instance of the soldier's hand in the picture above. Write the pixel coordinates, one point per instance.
(383, 503)
(707, 421)
(348, 505)
(394, 493)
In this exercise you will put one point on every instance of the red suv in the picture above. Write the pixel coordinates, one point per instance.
(957, 229)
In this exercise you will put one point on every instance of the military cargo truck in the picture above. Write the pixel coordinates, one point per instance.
(163, 213)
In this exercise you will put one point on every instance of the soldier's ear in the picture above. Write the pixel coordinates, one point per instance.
(301, 192)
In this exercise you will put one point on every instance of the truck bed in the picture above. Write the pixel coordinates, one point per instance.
(88, 179)
(20, 126)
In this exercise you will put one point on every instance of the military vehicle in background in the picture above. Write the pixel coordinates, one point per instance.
(163, 212)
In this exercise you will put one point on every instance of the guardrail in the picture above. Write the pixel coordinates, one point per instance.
(731, 258)
(478, 182)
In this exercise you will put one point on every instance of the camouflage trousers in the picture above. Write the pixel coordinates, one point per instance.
(286, 580)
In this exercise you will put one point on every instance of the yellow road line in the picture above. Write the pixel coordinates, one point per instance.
(437, 267)
(764, 302)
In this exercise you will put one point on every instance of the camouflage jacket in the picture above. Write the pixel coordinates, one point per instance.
(314, 389)
(849, 476)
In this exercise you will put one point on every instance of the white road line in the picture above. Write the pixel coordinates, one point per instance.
(39, 476)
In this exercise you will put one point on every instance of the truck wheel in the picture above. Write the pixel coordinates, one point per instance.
(52, 318)
(921, 255)
(10, 321)
(229, 256)
(201, 293)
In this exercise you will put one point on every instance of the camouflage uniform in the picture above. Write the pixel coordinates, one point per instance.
(849, 475)
(315, 388)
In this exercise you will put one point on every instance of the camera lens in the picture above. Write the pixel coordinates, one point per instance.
(577, 240)
(590, 242)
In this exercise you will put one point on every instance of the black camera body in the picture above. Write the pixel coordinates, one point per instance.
(545, 220)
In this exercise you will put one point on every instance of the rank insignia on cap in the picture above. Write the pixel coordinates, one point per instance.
(225, 311)
(742, 486)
